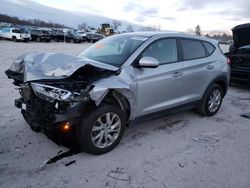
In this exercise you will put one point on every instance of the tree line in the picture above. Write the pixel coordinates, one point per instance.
(32, 22)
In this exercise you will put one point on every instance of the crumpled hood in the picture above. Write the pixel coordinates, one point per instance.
(50, 66)
(241, 35)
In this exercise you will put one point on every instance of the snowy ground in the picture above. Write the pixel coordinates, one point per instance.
(183, 150)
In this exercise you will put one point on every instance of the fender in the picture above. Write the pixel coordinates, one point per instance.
(123, 84)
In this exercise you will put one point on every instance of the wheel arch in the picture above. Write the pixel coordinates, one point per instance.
(115, 97)
(221, 81)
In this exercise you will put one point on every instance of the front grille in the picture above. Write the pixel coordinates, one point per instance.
(39, 114)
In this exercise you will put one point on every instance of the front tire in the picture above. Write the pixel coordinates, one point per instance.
(211, 101)
(102, 129)
(14, 39)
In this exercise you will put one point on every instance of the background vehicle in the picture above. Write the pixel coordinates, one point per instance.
(239, 54)
(40, 35)
(14, 34)
(120, 79)
(69, 37)
(93, 37)
(106, 30)
(83, 34)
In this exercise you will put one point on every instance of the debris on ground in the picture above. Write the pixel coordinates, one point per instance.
(246, 115)
(12, 120)
(181, 164)
(70, 163)
(4, 165)
(60, 155)
(206, 139)
(240, 98)
(119, 174)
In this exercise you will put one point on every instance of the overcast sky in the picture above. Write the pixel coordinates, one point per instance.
(171, 15)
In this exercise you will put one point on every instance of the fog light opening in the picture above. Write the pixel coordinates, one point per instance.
(66, 127)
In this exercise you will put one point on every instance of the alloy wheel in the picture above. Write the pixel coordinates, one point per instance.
(106, 130)
(214, 100)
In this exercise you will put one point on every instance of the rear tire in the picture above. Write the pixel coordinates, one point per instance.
(211, 101)
(108, 121)
(38, 39)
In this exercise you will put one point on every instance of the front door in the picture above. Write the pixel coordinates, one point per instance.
(160, 88)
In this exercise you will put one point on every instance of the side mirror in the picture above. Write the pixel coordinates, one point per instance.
(148, 62)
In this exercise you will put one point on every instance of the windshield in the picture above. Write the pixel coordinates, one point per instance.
(114, 50)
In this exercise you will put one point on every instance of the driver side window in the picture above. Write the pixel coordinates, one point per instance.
(164, 50)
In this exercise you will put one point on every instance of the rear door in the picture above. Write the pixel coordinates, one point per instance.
(199, 67)
(160, 88)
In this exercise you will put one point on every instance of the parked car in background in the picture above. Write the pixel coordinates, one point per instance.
(40, 35)
(239, 54)
(119, 79)
(83, 34)
(52, 34)
(14, 34)
(94, 37)
(68, 36)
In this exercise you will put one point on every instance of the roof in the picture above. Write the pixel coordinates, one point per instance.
(242, 26)
(170, 34)
(151, 33)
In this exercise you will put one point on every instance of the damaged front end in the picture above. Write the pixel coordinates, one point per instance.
(47, 106)
(59, 93)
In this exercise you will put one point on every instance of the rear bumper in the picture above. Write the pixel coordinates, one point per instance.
(240, 75)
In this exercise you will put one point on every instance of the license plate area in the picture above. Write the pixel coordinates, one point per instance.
(24, 107)
(25, 92)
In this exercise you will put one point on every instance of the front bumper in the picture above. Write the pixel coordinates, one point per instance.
(44, 116)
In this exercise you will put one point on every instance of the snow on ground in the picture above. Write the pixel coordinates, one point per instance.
(182, 150)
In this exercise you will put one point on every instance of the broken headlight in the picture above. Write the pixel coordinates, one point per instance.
(51, 93)
(17, 66)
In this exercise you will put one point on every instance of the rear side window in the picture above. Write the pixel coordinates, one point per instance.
(16, 31)
(210, 48)
(164, 50)
(192, 49)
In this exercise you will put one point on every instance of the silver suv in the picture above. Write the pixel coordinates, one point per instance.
(119, 79)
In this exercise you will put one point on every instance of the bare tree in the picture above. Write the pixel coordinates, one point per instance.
(198, 30)
(130, 28)
(191, 31)
(83, 25)
(151, 28)
(116, 24)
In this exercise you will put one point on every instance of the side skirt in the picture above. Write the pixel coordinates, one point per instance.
(162, 113)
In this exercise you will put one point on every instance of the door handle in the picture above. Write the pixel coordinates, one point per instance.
(177, 74)
(210, 67)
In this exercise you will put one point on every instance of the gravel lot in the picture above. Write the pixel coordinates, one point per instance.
(183, 150)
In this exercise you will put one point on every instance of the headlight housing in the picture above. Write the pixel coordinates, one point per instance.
(17, 66)
(51, 93)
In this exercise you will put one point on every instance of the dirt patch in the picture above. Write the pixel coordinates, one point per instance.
(172, 125)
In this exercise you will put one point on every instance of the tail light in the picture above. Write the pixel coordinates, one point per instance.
(229, 61)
